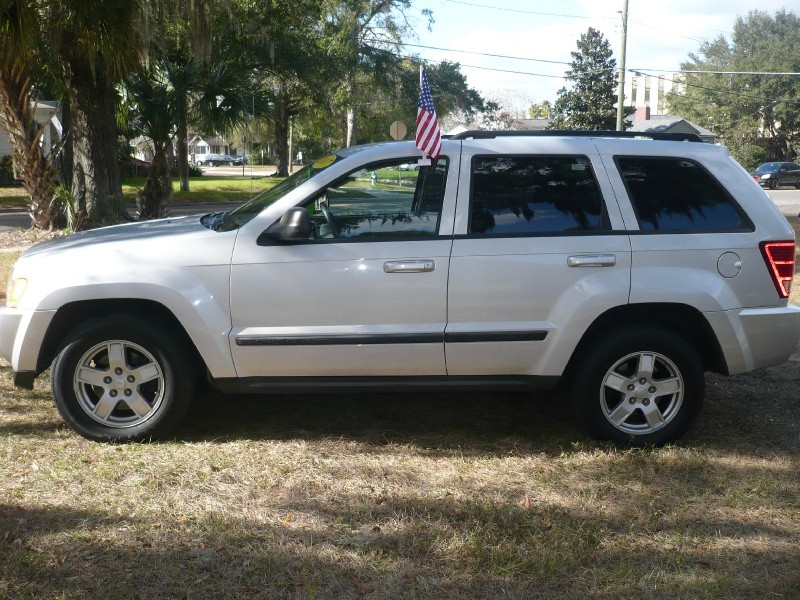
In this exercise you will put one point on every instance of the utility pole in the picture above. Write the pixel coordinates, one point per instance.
(621, 78)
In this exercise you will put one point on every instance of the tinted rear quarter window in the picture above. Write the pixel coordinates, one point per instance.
(523, 195)
(678, 195)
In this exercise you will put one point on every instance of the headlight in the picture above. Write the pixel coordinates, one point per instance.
(15, 291)
(766, 176)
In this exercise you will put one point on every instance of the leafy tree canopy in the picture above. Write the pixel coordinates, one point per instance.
(757, 116)
(590, 102)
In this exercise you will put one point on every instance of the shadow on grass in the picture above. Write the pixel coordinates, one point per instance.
(755, 413)
(403, 547)
(474, 422)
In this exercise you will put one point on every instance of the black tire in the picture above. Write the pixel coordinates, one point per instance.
(773, 184)
(142, 398)
(639, 413)
(797, 183)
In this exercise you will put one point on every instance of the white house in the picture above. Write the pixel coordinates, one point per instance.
(644, 121)
(200, 146)
(47, 112)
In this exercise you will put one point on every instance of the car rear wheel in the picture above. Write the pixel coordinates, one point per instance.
(639, 387)
(120, 379)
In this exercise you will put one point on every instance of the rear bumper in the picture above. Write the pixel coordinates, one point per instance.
(752, 338)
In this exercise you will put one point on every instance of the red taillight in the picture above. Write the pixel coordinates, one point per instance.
(779, 257)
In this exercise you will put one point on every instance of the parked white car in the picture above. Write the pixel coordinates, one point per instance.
(617, 267)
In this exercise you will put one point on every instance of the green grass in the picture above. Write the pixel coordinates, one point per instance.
(13, 197)
(208, 188)
(202, 189)
(14, 201)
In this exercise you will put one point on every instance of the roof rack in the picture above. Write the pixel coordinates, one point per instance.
(478, 134)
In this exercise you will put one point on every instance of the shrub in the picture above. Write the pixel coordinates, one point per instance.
(7, 170)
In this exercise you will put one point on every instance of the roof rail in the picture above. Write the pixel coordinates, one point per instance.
(478, 134)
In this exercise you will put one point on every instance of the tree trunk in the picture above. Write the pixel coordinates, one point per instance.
(282, 138)
(67, 155)
(33, 168)
(183, 152)
(96, 180)
(152, 200)
(352, 116)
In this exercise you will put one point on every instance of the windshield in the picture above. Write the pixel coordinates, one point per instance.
(238, 217)
(768, 168)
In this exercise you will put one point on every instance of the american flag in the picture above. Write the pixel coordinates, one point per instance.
(429, 136)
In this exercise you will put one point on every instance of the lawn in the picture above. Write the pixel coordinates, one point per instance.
(470, 495)
(13, 196)
(208, 188)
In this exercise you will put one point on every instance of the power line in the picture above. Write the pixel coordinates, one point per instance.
(554, 62)
(570, 16)
(526, 12)
(718, 91)
(418, 59)
(686, 37)
(728, 72)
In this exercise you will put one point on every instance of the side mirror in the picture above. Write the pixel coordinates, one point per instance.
(293, 226)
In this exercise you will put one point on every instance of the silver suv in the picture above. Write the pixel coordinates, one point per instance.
(618, 267)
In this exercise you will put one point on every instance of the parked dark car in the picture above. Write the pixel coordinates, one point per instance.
(773, 174)
(215, 160)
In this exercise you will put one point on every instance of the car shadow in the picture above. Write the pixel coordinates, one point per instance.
(471, 421)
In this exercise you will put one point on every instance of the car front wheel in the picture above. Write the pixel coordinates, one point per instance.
(773, 184)
(119, 379)
(640, 387)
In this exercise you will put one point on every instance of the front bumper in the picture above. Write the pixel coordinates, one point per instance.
(21, 335)
(9, 325)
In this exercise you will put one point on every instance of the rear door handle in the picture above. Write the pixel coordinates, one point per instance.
(592, 260)
(409, 266)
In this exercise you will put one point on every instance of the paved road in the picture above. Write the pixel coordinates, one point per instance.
(787, 200)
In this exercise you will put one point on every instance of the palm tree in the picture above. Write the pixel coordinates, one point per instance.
(179, 32)
(18, 55)
(95, 43)
(152, 101)
(163, 97)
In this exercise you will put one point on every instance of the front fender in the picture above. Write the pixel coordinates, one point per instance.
(197, 296)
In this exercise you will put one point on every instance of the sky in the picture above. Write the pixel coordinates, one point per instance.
(661, 35)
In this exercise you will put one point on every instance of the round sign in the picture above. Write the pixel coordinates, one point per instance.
(398, 130)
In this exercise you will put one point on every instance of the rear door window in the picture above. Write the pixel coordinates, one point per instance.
(672, 194)
(529, 195)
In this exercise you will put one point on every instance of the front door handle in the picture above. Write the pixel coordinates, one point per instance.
(592, 260)
(409, 266)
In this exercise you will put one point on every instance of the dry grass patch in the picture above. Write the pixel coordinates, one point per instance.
(382, 496)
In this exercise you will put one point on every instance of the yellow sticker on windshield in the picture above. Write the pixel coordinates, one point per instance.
(325, 161)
